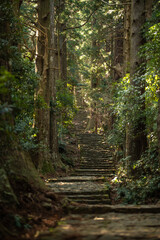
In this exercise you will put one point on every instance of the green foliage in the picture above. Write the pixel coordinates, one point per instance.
(144, 186)
(6, 108)
(23, 88)
(18, 84)
(65, 108)
(151, 49)
(139, 191)
(128, 102)
(47, 168)
(27, 133)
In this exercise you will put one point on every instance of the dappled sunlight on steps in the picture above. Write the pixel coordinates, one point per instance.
(87, 204)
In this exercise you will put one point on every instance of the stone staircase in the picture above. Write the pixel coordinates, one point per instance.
(96, 159)
(86, 185)
(90, 215)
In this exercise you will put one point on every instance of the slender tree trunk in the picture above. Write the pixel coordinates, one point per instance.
(43, 114)
(52, 88)
(136, 135)
(126, 38)
(46, 67)
(64, 58)
(126, 63)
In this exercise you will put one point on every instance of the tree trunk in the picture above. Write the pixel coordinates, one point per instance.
(136, 137)
(126, 63)
(46, 67)
(52, 88)
(126, 38)
(43, 95)
(18, 174)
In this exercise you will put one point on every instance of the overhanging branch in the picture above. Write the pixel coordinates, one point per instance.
(70, 28)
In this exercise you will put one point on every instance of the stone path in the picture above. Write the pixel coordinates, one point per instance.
(110, 226)
(86, 184)
(89, 213)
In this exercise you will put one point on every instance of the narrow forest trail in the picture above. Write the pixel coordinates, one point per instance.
(89, 213)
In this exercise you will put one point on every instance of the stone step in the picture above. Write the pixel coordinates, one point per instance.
(95, 154)
(96, 157)
(97, 150)
(87, 140)
(108, 158)
(96, 160)
(89, 197)
(99, 153)
(95, 142)
(93, 174)
(103, 208)
(96, 163)
(86, 201)
(75, 179)
(80, 192)
(91, 134)
(96, 170)
(90, 138)
(110, 167)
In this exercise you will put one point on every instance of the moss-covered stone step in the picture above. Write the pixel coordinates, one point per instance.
(75, 179)
(96, 163)
(94, 170)
(89, 197)
(78, 192)
(93, 174)
(106, 208)
(99, 159)
(85, 166)
(91, 202)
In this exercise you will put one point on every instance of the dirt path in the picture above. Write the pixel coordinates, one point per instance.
(89, 213)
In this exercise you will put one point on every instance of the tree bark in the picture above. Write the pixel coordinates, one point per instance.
(136, 142)
(52, 87)
(46, 67)
(126, 38)
(43, 114)
(18, 174)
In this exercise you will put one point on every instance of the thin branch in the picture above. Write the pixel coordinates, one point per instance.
(83, 23)
(34, 27)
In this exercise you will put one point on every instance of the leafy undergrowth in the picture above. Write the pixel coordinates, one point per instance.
(145, 190)
(141, 188)
(36, 212)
